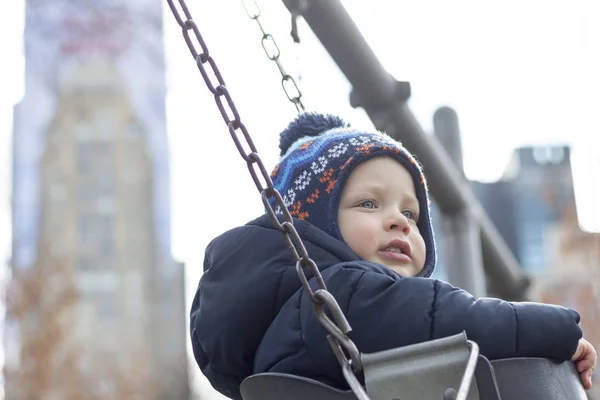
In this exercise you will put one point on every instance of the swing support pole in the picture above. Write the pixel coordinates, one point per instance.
(384, 100)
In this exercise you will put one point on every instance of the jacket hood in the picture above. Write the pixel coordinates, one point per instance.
(249, 274)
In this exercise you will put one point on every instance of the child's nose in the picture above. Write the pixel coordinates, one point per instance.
(397, 221)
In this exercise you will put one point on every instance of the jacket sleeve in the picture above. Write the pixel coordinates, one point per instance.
(386, 312)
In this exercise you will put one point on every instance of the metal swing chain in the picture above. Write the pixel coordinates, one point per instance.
(343, 347)
(272, 51)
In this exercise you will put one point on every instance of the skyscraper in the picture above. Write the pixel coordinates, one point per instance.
(543, 188)
(536, 190)
(96, 300)
(534, 208)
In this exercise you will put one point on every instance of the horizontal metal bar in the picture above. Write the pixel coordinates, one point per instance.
(384, 99)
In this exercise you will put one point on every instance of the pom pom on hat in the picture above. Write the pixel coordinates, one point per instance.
(308, 124)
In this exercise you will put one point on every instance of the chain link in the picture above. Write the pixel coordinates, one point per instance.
(272, 51)
(343, 347)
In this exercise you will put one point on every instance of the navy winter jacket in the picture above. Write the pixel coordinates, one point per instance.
(251, 315)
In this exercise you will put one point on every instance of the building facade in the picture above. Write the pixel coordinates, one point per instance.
(91, 224)
(535, 211)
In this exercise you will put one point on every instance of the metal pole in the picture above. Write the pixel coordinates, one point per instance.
(384, 100)
(460, 230)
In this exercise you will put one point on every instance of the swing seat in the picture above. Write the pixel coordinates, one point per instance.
(510, 379)
(538, 378)
(427, 371)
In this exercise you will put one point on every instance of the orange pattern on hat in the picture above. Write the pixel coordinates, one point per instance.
(346, 163)
(314, 196)
(305, 145)
(296, 211)
(275, 170)
(331, 185)
(326, 176)
(365, 148)
(387, 148)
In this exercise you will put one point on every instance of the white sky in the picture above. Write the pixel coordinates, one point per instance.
(518, 73)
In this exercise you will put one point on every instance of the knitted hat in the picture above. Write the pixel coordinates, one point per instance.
(318, 154)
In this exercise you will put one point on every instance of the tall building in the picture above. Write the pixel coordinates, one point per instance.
(534, 193)
(96, 304)
(543, 189)
(534, 208)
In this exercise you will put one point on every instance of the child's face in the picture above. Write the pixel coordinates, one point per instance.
(378, 216)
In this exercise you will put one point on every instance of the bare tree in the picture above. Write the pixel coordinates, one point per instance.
(41, 299)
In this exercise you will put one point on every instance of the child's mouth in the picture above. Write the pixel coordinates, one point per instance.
(397, 250)
(393, 254)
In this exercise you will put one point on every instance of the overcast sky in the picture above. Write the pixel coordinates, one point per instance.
(518, 73)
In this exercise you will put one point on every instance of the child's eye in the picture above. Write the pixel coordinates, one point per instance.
(410, 214)
(367, 204)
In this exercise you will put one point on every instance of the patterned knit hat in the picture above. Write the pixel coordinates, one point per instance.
(318, 153)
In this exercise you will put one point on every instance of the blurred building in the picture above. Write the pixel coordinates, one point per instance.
(96, 299)
(534, 209)
(536, 189)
